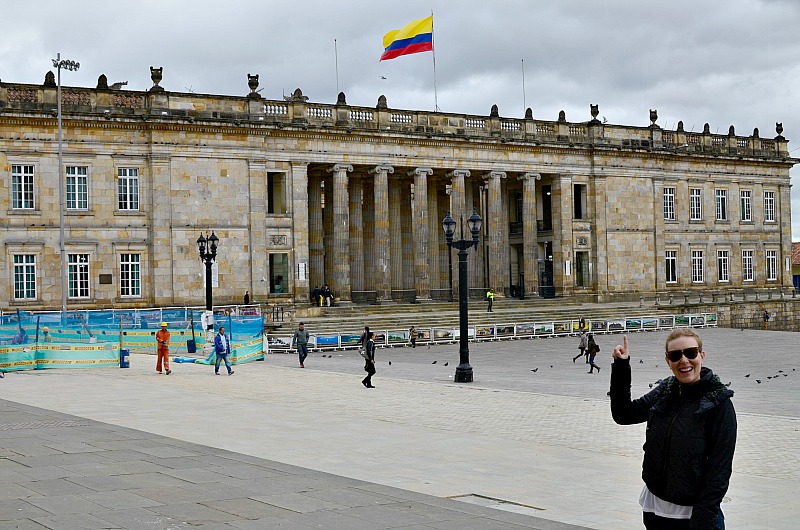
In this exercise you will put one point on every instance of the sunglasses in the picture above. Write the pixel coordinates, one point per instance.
(690, 353)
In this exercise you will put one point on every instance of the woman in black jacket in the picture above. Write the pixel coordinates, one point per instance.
(690, 437)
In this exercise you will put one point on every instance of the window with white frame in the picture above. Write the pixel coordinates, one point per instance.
(669, 204)
(723, 261)
(697, 266)
(769, 206)
(721, 202)
(130, 279)
(128, 188)
(77, 187)
(772, 265)
(22, 193)
(78, 275)
(672, 266)
(747, 207)
(747, 266)
(695, 204)
(24, 277)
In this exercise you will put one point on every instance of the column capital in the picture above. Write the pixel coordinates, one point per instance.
(494, 175)
(458, 173)
(529, 175)
(340, 167)
(383, 168)
(420, 171)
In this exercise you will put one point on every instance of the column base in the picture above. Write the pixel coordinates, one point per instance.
(463, 374)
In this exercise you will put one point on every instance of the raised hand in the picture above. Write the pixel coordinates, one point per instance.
(621, 352)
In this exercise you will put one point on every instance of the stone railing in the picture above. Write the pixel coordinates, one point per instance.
(296, 111)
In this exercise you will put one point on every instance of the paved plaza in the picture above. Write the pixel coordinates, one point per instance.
(297, 448)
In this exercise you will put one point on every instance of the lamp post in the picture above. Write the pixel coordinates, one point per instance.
(463, 370)
(208, 253)
(72, 66)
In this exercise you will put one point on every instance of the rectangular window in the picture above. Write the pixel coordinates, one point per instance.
(721, 201)
(669, 204)
(697, 266)
(747, 266)
(279, 273)
(78, 275)
(772, 265)
(582, 269)
(77, 188)
(24, 277)
(769, 206)
(695, 204)
(128, 188)
(276, 193)
(22, 197)
(672, 266)
(747, 210)
(130, 284)
(579, 201)
(723, 258)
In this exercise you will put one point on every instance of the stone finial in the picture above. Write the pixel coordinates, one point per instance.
(779, 129)
(706, 128)
(731, 131)
(156, 76)
(653, 116)
(102, 82)
(529, 113)
(50, 79)
(594, 110)
(297, 95)
(562, 116)
(252, 82)
(341, 99)
(680, 126)
(495, 112)
(755, 132)
(382, 105)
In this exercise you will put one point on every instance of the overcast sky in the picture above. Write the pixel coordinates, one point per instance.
(725, 63)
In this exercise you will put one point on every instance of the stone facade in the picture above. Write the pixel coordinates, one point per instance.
(302, 194)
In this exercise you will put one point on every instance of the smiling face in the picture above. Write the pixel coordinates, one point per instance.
(687, 371)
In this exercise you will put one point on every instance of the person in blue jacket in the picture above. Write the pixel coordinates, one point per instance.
(222, 348)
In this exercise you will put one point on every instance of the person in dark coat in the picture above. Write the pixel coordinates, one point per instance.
(591, 350)
(690, 438)
(315, 294)
(369, 360)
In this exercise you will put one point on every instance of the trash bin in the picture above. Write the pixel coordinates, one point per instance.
(124, 358)
(191, 346)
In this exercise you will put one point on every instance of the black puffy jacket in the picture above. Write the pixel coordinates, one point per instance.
(690, 440)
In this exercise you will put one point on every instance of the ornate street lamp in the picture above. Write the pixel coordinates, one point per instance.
(463, 370)
(208, 253)
(72, 66)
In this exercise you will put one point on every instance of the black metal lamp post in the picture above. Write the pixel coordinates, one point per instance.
(463, 370)
(208, 254)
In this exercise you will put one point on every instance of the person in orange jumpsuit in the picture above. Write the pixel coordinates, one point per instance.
(162, 338)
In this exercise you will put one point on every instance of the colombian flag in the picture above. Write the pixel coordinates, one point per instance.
(414, 38)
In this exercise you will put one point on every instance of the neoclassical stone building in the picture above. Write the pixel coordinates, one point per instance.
(302, 194)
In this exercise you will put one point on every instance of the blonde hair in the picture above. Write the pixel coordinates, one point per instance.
(683, 332)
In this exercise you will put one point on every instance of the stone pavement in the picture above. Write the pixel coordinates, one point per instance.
(542, 441)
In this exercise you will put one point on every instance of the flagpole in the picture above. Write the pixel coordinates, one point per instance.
(524, 104)
(433, 50)
(336, 54)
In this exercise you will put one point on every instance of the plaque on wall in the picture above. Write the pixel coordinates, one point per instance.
(277, 241)
(105, 279)
(581, 241)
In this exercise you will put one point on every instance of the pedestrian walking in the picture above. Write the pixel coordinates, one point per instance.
(766, 319)
(300, 338)
(246, 298)
(369, 359)
(327, 296)
(690, 437)
(490, 299)
(363, 338)
(162, 339)
(584, 342)
(412, 335)
(222, 348)
(315, 296)
(592, 348)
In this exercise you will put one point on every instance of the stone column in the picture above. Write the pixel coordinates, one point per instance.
(316, 232)
(495, 227)
(419, 226)
(300, 232)
(434, 232)
(356, 235)
(562, 234)
(600, 235)
(783, 202)
(341, 232)
(327, 231)
(257, 224)
(368, 220)
(406, 241)
(395, 237)
(458, 204)
(530, 241)
(382, 245)
(161, 255)
(659, 249)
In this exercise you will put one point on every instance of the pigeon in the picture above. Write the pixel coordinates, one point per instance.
(434, 362)
(641, 361)
(551, 366)
(785, 375)
(390, 363)
(446, 363)
(748, 375)
(651, 385)
(535, 370)
(728, 384)
(780, 371)
(758, 381)
(769, 377)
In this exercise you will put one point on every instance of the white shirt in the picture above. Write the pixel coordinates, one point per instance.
(662, 508)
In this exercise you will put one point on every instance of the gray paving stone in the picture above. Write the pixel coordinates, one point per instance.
(119, 500)
(77, 521)
(194, 513)
(65, 504)
(18, 509)
(141, 519)
(248, 508)
(57, 486)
